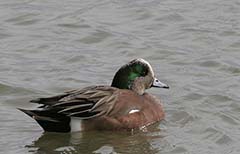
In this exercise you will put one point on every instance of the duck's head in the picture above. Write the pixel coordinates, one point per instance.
(137, 75)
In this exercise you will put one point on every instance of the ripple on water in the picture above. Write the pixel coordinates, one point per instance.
(178, 150)
(220, 98)
(96, 37)
(230, 69)
(73, 25)
(172, 17)
(4, 35)
(105, 149)
(217, 136)
(179, 118)
(209, 63)
(14, 95)
(229, 118)
(8, 89)
(193, 97)
(235, 45)
(235, 107)
(143, 14)
(25, 19)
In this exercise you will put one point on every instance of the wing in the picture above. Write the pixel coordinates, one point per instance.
(84, 103)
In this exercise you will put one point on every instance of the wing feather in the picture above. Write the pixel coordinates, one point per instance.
(85, 103)
(75, 107)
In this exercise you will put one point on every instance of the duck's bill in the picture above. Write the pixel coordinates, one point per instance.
(159, 84)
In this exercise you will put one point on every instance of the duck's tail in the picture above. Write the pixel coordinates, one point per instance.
(50, 120)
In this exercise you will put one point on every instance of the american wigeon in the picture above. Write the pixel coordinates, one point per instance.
(123, 105)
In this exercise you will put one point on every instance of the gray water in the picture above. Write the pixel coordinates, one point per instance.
(47, 47)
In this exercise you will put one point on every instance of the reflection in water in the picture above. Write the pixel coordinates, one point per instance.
(95, 142)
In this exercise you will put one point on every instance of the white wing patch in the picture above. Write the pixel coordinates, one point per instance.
(134, 111)
(75, 124)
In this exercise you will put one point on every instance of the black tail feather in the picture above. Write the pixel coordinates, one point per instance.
(50, 120)
(48, 100)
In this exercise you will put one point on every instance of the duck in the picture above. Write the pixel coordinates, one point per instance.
(125, 105)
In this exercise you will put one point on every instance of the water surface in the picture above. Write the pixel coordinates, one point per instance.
(47, 47)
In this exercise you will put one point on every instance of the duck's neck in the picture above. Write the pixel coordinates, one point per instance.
(138, 86)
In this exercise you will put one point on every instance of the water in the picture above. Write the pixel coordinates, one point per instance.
(48, 47)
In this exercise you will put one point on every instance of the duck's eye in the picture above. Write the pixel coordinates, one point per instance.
(143, 73)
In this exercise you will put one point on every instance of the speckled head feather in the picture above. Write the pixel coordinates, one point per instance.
(137, 75)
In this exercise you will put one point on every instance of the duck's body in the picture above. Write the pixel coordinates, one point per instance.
(131, 116)
(103, 107)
